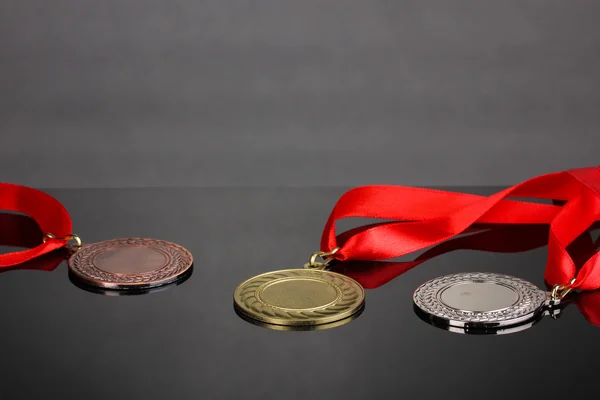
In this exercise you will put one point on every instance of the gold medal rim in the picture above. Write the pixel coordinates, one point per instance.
(148, 281)
(300, 328)
(343, 316)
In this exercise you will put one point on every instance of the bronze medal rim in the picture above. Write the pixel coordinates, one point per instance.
(129, 291)
(352, 301)
(82, 267)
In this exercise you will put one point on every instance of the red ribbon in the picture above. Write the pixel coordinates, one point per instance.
(21, 231)
(495, 238)
(424, 217)
(48, 213)
(589, 306)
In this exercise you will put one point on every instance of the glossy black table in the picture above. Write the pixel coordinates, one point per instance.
(186, 342)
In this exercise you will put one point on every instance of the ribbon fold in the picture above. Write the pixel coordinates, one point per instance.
(421, 218)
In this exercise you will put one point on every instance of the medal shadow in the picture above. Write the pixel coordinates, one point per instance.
(18, 231)
(490, 238)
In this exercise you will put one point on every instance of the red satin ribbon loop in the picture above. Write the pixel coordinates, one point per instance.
(48, 213)
(421, 218)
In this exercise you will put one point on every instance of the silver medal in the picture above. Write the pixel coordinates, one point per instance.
(482, 302)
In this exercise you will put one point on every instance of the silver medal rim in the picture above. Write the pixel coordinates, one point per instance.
(530, 303)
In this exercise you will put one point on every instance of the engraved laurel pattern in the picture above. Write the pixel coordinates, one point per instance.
(426, 298)
(352, 296)
(178, 260)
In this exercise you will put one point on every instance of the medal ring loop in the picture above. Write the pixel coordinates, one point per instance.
(68, 238)
(325, 255)
(560, 291)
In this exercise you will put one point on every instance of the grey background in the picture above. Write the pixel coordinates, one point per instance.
(280, 92)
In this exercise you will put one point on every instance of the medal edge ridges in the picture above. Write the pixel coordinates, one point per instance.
(297, 317)
(180, 260)
(531, 299)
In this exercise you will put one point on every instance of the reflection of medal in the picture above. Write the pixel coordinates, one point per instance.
(132, 264)
(483, 302)
(300, 299)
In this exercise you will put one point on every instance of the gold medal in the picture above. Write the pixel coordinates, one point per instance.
(300, 298)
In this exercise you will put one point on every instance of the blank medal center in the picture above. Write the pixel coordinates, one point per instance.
(479, 297)
(130, 260)
(299, 293)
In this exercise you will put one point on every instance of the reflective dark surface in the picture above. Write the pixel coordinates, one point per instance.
(186, 342)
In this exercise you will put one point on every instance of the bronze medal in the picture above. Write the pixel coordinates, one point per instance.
(133, 263)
